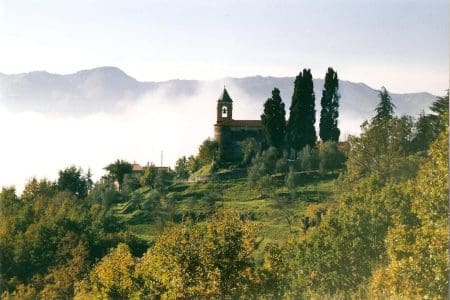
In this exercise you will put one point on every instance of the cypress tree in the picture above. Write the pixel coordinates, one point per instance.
(300, 129)
(274, 120)
(329, 114)
(385, 109)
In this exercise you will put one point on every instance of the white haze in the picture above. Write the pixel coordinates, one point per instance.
(38, 145)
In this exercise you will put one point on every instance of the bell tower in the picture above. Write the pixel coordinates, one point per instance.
(224, 107)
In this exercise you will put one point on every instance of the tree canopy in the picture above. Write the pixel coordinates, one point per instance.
(274, 120)
(329, 114)
(300, 128)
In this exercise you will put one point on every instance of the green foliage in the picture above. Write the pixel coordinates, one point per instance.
(274, 120)
(250, 148)
(148, 178)
(292, 179)
(385, 109)
(130, 183)
(152, 200)
(47, 244)
(418, 262)
(263, 164)
(163, 179)
(428, 127)
(118, 169)
(193, 164)
(440, 108)
(282, 164)
(330, 157)
(200, 262)
(35, 189)
(105, 194)
(113, 276)
(380, 230)
(329, 114)
(383, 148)
(341, 252)
(71, 179)
(300, 128)
(208, 152)
(424, 133)
(308, 159)
(182, 168)
(276, 273)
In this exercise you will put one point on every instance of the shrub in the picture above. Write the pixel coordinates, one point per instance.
(308, 158)
(330, 157)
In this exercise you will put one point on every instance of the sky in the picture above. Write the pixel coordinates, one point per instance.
(402, 45)
(399, 44)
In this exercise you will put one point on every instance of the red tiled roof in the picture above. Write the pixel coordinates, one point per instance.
(241, 123)
(137, 167)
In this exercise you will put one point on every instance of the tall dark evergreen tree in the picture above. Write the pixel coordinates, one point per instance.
(385, 109)
(300, 128)
(274, 120)
(329, 114)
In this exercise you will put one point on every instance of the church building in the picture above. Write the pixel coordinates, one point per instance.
(230, 133)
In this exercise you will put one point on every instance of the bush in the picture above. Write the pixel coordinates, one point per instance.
(263, 164)
(250, 147)
(331, 158)
(130, 183)
(308, 159)
(292, 180)
(282, 165)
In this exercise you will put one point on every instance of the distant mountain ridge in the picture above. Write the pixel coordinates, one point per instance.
(103, 89)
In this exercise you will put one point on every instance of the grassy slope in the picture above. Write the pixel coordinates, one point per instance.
(197, 200)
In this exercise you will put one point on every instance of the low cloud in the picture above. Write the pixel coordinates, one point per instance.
(38, 145)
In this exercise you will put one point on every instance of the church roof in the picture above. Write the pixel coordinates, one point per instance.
(225, 96)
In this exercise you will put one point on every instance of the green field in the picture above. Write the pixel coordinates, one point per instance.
(278, 212)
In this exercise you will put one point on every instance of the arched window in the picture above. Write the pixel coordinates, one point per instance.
(224, 112)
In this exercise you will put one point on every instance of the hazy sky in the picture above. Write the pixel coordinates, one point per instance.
(400, 44)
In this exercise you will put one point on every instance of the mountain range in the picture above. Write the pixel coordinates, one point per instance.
(104, 89)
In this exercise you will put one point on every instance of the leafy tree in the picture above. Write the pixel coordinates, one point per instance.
(300, 128)
(263, 164)
(425, 133)
(196, 261)
(418, 262)
(193, 164)
(429, 126)
(331, 158)
(162, 180)
(113, 276)
(385, 109)
(282, 164)
(329, 114)
(71, 179)
(130, 183)
(276, 272)
(250, 147)
(182, 168)
(208, 152)
(118, 169)
(382, 148)
(35, 189)
(148, 178)
(340, 253)
(105, 194)
(308, 158)
(90, 182)
(440, 107)
(292, 180)
(274, 120)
